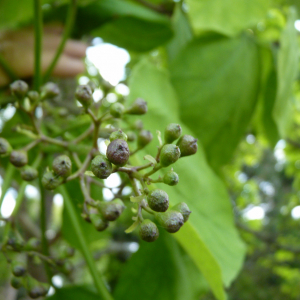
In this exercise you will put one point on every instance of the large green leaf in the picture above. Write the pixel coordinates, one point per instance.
(209, 237)
(217, 82)
(228, 17)
(154, 264)
(287, 68)
(74, 293)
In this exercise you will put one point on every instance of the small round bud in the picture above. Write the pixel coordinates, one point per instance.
(188, 145)
(183, 209)
(18, 269)
(101, 166)
(29, 173)
(118, 135)
(16, 282)
(138, 107)
(84, 95)
(19, 89)
(169, 154)
(158, 200)
(18, 158)
(138, 125)
(33, 96)
(131, 136)
(98, 221)
(62, 165)
(37, 291)
(51, 181)
(118, 152)
(148, 231)
(144, 138)
(68, 267)
(172, 133)
(117, 110)
(5, 147)
(111, 210)
(15, 243)
(171, 178)
(33, 244)
(49, 91)
(170, 220)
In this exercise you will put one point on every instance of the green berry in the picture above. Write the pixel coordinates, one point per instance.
(171, 178)
(62, 165)
(5, 147)
(84, 95)
(111, 210)
(148, 231)
(18, 269)
(144, 138)
(15, 243)
(49, 91)
(101, 166)
(138, 107)
(19, 89)
(169, 154)
(16, 282)
(33, 244)
(131, 136)
(119, 134)
(68, 267)
(51, 181)
(98, 221)
(37, 291)
(18, 158)
(172, 132)
(183, 209)
(188, 145)
(117, 110)
(33, 96)
(158, 200)
(118, 152)
(29, 173)
(170, 220)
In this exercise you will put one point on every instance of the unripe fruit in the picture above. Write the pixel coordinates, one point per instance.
(84, 95)
(98, 221)
(158, 200)
(169, 154)
(118, 152)
(62, 165)
(117, 110)
(183, 209)
(188, 145)
(16, 282)
(131, 136)
(18, 158)
(144, 138)
(148, 231)
(111, 210)
(101, 166)
(18, 269)
(49, 91)
(170, 220)
(5, 147)
(33, 96)
(33, 244)
(51, 181)
(29, 173)
(37, 291)
(119, 134)
(138, 107)
(19, 89)
(171, 178)
(172, 132)
(68, 267)
(15, 243)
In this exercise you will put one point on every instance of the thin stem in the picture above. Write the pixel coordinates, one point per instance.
(67, 32)
(82, 169)
(84, 134)
(143, 167)
(38, 30)
(8, 70)
(98, 280)
(155, 169)
(31, 145)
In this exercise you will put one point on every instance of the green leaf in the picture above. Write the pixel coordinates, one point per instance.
(287, 68)
(74, 293)
(156, 271)
(228, 17)
(210, 237)
(217, 81)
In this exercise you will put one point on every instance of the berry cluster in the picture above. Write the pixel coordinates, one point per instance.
(74, 159)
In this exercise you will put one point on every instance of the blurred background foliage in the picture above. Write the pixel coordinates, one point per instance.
(228, 72)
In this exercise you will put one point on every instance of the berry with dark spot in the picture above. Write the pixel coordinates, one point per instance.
(62, 165)
(188, 145)
(18, 158)
(158, 200)
(148, 231)
(118, 152)
(101, 166)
